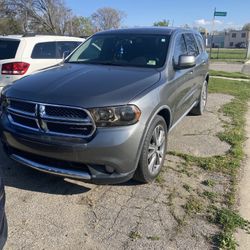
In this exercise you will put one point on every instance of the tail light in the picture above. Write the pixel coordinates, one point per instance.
(16, 68)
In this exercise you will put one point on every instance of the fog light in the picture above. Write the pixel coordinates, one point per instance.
(109, 169)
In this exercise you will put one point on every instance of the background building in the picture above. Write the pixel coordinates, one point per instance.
(237, 39)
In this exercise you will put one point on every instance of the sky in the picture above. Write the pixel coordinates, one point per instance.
(178, 12)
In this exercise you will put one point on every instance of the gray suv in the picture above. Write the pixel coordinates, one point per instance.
(103, 116)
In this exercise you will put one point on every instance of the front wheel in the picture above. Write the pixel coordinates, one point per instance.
(200, 107)
(153, 151)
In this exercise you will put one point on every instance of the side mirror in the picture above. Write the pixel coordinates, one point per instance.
(186, 62)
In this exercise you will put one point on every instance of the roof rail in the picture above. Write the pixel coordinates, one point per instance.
(29, 34)
(39, 34)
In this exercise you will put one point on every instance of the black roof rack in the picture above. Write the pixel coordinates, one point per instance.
(29, 34)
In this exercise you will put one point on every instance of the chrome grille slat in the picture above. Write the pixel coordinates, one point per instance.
(76, 122)
(20, 113)
(27, 107)
(21, 125)
(68, 122)
(56, 118)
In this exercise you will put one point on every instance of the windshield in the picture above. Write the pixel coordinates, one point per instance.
(8, 49)
(123, 50)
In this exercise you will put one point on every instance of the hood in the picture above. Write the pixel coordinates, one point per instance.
(84, 85)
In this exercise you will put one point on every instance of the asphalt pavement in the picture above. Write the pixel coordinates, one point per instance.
(48, 212)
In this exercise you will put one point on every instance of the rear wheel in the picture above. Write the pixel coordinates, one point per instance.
(200, 107)
(153, 151)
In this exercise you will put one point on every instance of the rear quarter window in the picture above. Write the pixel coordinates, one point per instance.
(8, 49)
(191, 44)
(53, 50)
(44, 51)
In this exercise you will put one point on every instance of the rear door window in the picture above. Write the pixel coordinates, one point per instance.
(8, 48)
(201, 42)
(191, 45)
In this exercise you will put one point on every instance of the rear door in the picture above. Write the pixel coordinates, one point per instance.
(193, 77)
(179, 84)
(201, 61)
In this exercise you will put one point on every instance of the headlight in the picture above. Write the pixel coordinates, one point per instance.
(116, 116)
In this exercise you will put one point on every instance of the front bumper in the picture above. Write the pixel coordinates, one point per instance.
(117, 149)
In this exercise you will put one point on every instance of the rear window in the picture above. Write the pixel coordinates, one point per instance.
(53, 50)
(8, 49)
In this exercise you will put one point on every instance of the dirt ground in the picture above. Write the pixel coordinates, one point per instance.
(48, 212)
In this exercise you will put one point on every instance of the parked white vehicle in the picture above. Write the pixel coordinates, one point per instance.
(23, 55)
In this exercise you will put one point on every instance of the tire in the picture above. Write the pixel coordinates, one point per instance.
(153, 154)
(200, 107)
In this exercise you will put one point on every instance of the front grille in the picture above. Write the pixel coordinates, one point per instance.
(50, 118)
(27, 122)
(23, 106)
(68, 113)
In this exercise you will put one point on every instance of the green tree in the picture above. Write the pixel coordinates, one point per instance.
(107, 18)
(50, 16)
(10, 26)
(162, 23)
(246, 27)
(81, 26)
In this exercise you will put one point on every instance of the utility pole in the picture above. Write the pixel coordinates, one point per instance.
(212, 34)
(216, 13)
(248, 44)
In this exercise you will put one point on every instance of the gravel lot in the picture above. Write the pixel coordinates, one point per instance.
(47, 212)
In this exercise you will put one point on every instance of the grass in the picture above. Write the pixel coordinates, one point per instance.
(187, 187)
(159, 179)
(134, 235)
(234, 134)
(210, 195)
(208, 183)
(229, 74)
(229, 221)
(232, 54)
(153, 238)
(193, 206)
(229, 60)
